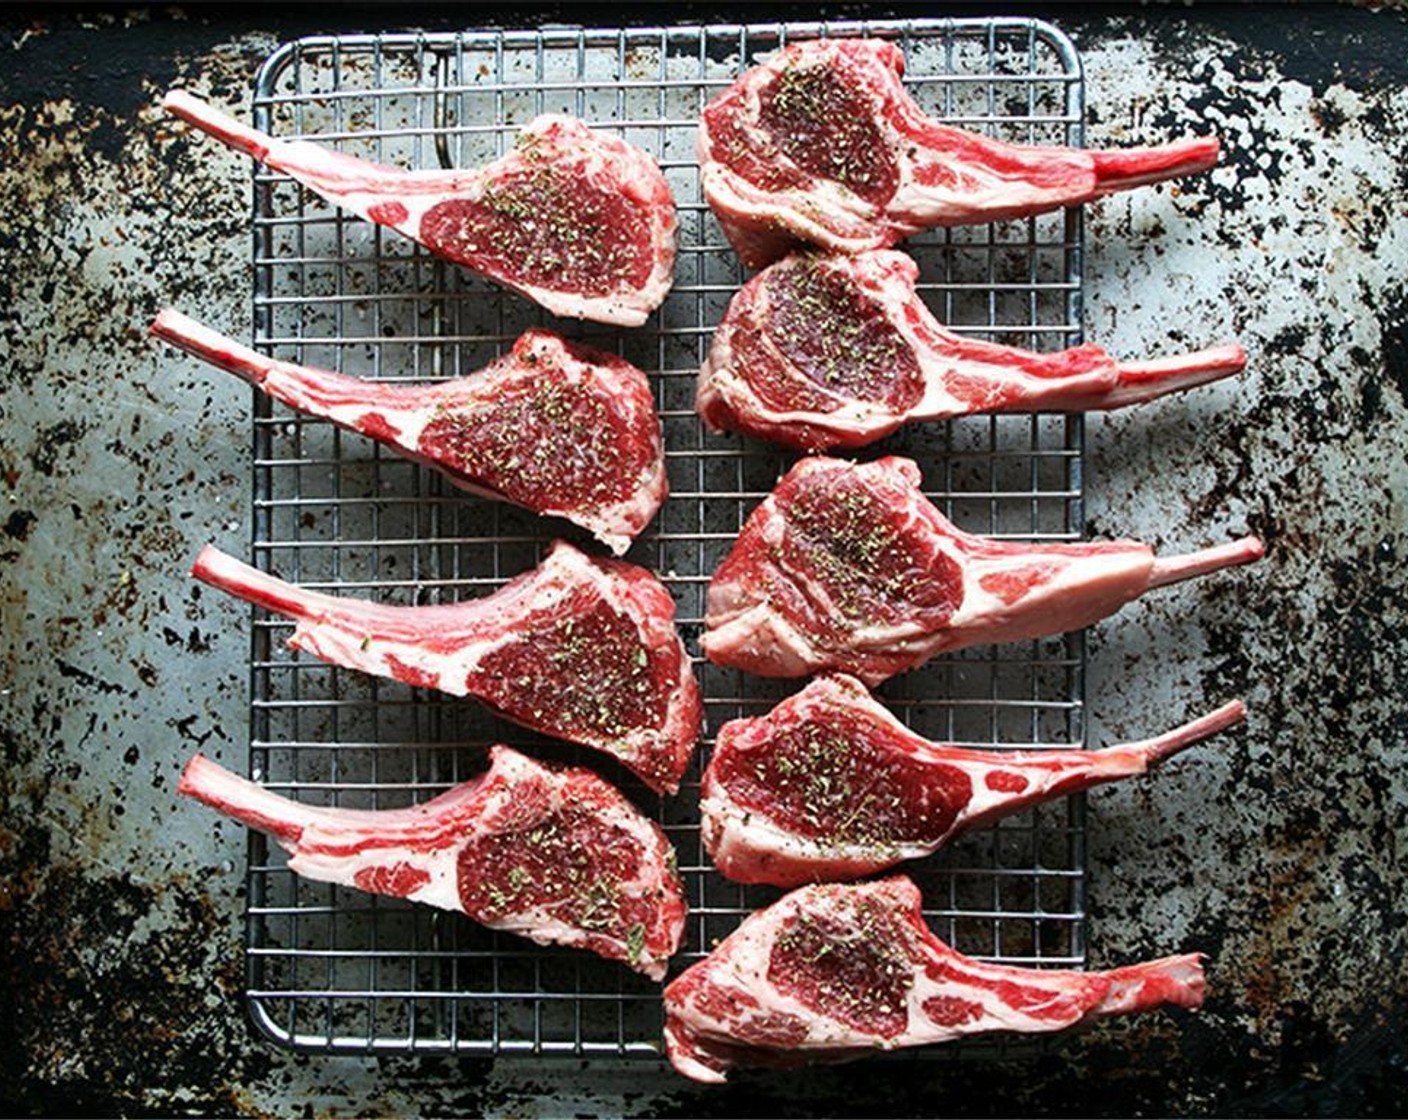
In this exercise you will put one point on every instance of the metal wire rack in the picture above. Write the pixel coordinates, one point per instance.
(333, 969)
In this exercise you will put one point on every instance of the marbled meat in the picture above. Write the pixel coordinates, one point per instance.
(580, 647)
(829, 785)
(557, 856)
(823, 145)
(822, 351)
(836, 972)
(849, 566)
(576, 220)
(555, 426)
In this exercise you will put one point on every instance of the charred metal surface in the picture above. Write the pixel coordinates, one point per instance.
(1276, 852)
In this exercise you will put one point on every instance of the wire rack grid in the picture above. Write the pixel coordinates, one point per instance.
(333, 969)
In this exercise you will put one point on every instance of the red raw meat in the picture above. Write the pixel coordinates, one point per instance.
(557, 856)
(848, 566)
(829, 785)
(554, 426)
(823, 145)
(576, 220)
(821, 351)
(580, 647)
(832, 973)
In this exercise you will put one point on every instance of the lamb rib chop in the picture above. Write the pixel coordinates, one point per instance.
(823, 145)
(554, 426)
(557, 856)
(829, 785)
(580, 647)
(879, 359)
(578, 221)
(835, 972)
(848, 566)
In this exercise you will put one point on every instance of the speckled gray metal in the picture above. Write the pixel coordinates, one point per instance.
(1277, 853)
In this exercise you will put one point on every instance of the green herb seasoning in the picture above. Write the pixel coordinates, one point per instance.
(849, 539)
(635, 943)
(838, 337)
(834, 790)
(829, 129)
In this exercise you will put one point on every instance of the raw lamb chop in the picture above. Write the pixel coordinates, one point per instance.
(581, 648)
(578, 221)
(848, 566)
(557, 856)
(554, 426)
(834, 972)
(829, 785)
(834, 351)
(823, 145)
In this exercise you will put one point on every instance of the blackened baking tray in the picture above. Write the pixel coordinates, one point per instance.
(334, 969)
